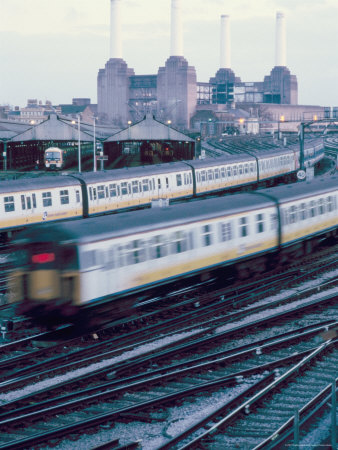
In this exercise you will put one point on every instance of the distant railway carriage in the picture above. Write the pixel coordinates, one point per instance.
(71, 267)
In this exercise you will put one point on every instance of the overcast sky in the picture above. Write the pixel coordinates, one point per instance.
(53, 49)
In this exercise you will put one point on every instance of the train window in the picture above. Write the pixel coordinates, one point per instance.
(112, 190)
(229, 171)
(273, 221)
(28, 203)
(234, 169)
(158, 247)
(243, 226)
(135, 187)
(121, 256)
(77, 194)
(206, 235)
(223, 172)
(89, 259)
(252, 167)
(190, 177)
(198, 177)
(217, 174)
(179, 179)
(91, 193)
(23, 203)
(9, 204)
(34, 200)
(47, 199)
(159, 183)
(203, 175)
(260, 223)
(106, 189)
(246, 168)
(293, 214)
(240, 169)
(68, 256)
(94, 193)
(100, 191)
(210, 174)
(145, 185)
(124, 188)
(225, 229)
(330, 203)
(64, 197)
(302, 211)
(167, 182)
(285, 216)
(313, 208)
(179, 242)
(135, 252)
(186, 178)
(321, 206)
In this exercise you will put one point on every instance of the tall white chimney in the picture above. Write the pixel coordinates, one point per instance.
(176, 41)
(225, 43)
(280, 39)
(115, 29)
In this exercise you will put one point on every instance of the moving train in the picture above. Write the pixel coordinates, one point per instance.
(31, 201)
(67, 268)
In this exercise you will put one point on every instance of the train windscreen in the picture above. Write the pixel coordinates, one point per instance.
(52, 155)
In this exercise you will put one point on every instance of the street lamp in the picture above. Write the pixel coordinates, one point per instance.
(4, 154)
(79, 141)
(281, 119)
(94, 146)
(169, 123)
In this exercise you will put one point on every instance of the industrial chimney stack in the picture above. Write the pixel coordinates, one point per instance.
(280, 40)
(115, 29)
(225, 60)
(176, 47)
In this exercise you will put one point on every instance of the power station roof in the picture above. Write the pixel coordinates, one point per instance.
(149, 129)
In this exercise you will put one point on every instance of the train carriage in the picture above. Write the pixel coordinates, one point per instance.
(277, 163)
(224, 172)
(29, 201)
(136, 186)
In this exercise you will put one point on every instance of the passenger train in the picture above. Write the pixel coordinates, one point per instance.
(30, 201)
(56, 158)
(68, 268)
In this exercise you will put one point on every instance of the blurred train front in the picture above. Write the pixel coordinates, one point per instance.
(45, 283)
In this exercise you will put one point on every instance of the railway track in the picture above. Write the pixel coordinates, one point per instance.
(121, 373)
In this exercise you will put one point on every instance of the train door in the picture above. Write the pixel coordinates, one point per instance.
(28, 206)
(160, 188)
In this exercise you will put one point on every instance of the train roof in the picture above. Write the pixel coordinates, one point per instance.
(221, 161)
(296, 191)
(37, 183)
(124, 224)
(133, 172)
